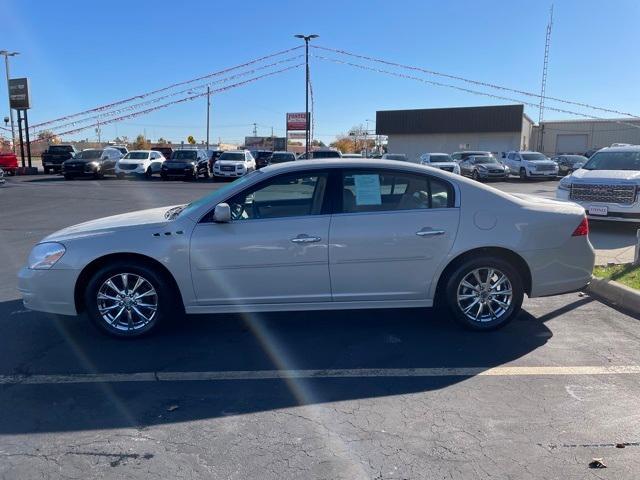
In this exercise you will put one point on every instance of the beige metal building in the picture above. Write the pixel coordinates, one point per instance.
(579, 136)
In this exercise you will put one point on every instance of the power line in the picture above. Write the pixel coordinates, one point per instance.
(468, 90)
(174, 102)
(475, 82)
(169, 95)
(163, 89)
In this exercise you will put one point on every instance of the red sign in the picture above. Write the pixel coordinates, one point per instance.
(296, 121)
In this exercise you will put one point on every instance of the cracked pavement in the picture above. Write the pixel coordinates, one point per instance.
(519, 427)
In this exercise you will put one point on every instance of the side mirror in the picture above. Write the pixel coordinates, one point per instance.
(222, 213)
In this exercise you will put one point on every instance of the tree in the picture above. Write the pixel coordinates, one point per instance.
(162, 141)
(318, 143)
(49, 136)
(141, 143)
(356, 141)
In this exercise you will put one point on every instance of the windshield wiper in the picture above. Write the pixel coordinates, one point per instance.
(174, 212)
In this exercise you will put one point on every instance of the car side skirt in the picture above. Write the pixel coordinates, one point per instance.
(284, 307)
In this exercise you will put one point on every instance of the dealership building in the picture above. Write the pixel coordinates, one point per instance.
(578, 136)
(497, 129)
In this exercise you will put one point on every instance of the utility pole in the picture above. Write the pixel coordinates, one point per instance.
(98, 132)
(306, 39)
(208, 110)
(543, 87)
(255, 129)
(8, 54)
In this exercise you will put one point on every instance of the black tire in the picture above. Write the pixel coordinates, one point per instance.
(120, 176)
(164, 177)
(206, 174)
(165, 299)
(193, 177)
(454, 285)
(149, 173)
(68, 176)
(523, 174)
(475, 176)
(47, 170)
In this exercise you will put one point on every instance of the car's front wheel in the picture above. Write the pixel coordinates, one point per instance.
(484, 293)
(523, 174)
(128, 300)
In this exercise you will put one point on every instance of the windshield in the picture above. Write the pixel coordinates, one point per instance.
(533, 157)
(325, 154)
(237, 156)
(59, 149)
(136, 156)
(484, 160)
(614, 161)
(217, 195)
(184, 155)
(282, 157)
(440, 158)
(88, 154)
(395, 156)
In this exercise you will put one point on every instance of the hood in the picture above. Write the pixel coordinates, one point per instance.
(179, 162)
(496, 166)
(541, 162)
(101, 226)
(229, 162)
(606, 176)
(442, 164)
(132, 161)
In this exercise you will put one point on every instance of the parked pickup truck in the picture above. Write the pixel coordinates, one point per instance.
(8, 162)
(53, 157)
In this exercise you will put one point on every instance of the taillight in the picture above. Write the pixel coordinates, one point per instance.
(582, 229)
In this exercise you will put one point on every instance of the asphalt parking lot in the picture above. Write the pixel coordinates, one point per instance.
(374, 394)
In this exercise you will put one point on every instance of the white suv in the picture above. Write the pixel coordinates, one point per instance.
(443, 161)
(234, 163)
(530, 165)
(607, 186)
(140, 162)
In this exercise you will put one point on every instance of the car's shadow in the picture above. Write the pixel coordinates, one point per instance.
(34, 343)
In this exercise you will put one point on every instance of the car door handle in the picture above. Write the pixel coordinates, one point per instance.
(428, 232)
(304, 238)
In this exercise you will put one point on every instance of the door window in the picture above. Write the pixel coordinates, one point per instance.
(289, 195)
(379, 191)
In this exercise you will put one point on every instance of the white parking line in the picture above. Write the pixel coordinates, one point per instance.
(311, 374)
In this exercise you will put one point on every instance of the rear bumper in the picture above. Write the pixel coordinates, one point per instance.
(560, 270)
(50, 291)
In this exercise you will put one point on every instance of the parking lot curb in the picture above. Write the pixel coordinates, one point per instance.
(615, 293)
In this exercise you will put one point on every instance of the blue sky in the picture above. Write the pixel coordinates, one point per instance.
(81, 54)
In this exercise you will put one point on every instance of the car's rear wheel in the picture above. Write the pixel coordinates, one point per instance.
(68, 176)
(475, 176)
(47, 170)
(128, 300)
(484, 293)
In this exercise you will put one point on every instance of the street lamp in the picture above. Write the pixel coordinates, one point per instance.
(8, 54)
(306, 39)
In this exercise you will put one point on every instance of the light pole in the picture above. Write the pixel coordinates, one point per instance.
(8, 54)
(376, 141)
(306, 39)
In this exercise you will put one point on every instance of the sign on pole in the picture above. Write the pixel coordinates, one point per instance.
(298, 135)
(19, 98)
(296, 121)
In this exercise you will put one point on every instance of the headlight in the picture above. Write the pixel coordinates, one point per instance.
(45, 255)
(565, 183)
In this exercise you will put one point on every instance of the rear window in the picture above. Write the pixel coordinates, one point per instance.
(60, 149)
(232, 156)
(440, 158)
(282, 157)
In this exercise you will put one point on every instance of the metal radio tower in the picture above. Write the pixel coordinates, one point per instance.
(545, 64)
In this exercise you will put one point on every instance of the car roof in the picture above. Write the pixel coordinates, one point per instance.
(627, 148)
(435, 153)
(144, 151)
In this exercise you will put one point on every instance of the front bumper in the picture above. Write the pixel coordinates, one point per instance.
(50, 291)
(615, 211)
(137, 171)
(229, 174)
(536, 173)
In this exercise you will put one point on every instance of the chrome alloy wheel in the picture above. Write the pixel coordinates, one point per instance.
(127, 301)
(484, 295)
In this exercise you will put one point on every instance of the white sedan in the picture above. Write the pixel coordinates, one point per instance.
(139, 162)
(312, 235)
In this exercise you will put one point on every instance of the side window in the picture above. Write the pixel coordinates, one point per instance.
(456, 156)
(289, 195)
(381, 191)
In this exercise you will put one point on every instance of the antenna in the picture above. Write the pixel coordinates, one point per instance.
(545, 64)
